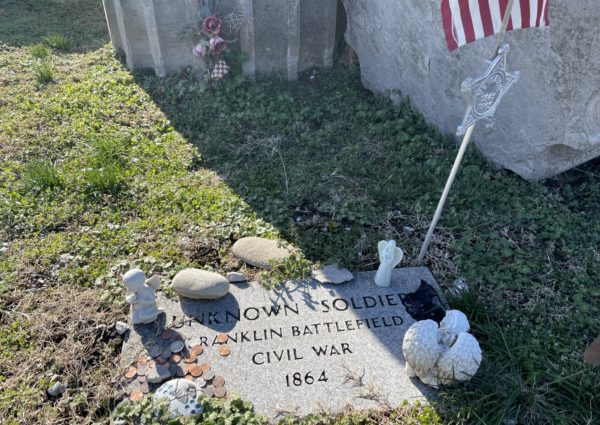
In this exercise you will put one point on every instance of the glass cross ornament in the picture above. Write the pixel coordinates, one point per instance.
(484, 93)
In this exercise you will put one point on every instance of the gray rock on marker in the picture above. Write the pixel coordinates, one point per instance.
(182, 396)
(332, 274)
(259, 252)
(236, 277)
(200, 284)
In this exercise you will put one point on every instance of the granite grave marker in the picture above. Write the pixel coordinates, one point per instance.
(307, 347)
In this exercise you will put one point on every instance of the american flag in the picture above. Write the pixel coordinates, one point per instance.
(469, 20)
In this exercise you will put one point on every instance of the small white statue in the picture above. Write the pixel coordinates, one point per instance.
(389, 257)
(441, 355)
(141, 294)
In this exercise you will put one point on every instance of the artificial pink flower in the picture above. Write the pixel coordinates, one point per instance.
(212, 25)
(200, 50)
(217, 45)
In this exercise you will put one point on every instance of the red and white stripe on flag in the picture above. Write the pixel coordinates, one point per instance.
(469, 20)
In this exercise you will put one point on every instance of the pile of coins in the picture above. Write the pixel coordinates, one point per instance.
(170, 356)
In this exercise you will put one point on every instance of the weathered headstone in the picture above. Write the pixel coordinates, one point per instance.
(281, 36)
(549, 122)
(307, 347)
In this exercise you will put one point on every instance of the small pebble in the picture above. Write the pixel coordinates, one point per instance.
(56, 390)
(236, 277)
(459, 287)
(65, 258)
(121, 327)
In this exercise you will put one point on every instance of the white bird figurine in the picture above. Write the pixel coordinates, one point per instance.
(454, 323)
(389, 257)
(444, 355)
(461, 361)
(422, 351)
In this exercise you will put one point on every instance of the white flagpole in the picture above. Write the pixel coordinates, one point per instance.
(440, 207)
(462, 150)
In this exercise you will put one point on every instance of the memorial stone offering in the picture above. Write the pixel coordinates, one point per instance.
(307, 346)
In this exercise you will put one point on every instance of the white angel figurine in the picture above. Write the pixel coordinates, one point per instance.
(141, 294)
(389, 257)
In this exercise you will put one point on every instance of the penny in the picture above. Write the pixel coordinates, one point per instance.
(222, 338)
(136, 395)
(197, 350)
(218, 381)
(145, 387)
(175, 358)
(176, 346)
(188, 377)
(208, 375)
(190, 358)
(142, 369)
(205, 367)
(219, 392)
(131, 372)
(166, 353)
(224, 351)
(166, 334)
(155, 350)
(195, 371)
(209, 391)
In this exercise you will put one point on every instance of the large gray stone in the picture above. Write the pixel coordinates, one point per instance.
(547, 123)
(259, 252)
(200, 284)
(307, 346)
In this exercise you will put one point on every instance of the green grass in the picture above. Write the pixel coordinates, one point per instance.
(58, 42)
(237, 411)
(39, 51)
(25, 22)
(43, 72)
(40, 175)
(116, 170)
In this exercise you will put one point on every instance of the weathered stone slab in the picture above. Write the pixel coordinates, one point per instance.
(547, 123)
(283, 36)
(307, 347)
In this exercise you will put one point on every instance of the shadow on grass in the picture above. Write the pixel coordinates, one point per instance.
(80, 22)
(332, 166)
